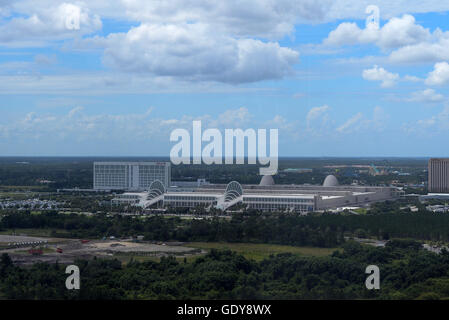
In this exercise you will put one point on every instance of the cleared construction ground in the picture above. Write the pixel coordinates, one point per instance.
(66, 251)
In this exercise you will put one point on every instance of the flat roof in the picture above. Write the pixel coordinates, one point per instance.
(193, 194)
(123, 163)
(308, 196)
(133, 194)
(331, 197)
(361, 193)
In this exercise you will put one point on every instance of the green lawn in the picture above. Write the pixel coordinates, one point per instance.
(259, 252)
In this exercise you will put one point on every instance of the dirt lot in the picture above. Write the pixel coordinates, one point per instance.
(74, 249)
(9, 239)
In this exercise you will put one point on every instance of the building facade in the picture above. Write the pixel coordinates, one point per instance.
(266, 196)
(438, 175)
(130, 175)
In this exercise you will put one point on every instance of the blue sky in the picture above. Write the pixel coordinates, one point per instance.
(104, 78)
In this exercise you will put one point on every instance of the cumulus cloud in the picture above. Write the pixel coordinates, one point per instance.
(439, 75)
(376, 73)
(433, 50)
(252, 18)
(344, 9)
(397, 32)
(266, 19)
(404, 40)
(426, 96)
(194, 52)
(54, 22)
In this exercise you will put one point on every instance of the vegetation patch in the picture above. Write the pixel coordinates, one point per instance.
(259, 252)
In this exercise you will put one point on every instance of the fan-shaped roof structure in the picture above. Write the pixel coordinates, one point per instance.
(233, 191)
(157, 188)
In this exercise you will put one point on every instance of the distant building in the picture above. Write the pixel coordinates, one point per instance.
(189, 184)
(438, 208)
(297, 170)
(266, 196)
(438, 175)
(136, 176)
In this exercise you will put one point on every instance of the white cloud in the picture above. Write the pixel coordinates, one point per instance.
(351, 124)
(412, 78)
(79, 125)
(250, 18)
(88, 83)
(194, 52)
(397, 32)
(233, 118)
(433, 50)
(284, 125)
(434, 125)
(56, 22)
(376, 73)
(439, 75)
(358, 122)
(404, 40)
(344, 9)
(316, 113)
(318, 120)
(426, 96)
(75, 111)
(253, 18)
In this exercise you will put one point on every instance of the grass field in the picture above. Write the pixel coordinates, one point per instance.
(259, 252)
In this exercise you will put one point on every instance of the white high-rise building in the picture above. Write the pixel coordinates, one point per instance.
(130, 175)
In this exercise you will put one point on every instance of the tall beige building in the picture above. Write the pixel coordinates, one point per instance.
(439, 175)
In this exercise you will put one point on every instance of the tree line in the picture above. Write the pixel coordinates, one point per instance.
(328, 230)
(406, 272)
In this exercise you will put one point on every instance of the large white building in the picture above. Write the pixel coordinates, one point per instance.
(130, 175)
(267, 196)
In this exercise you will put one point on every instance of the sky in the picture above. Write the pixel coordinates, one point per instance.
(115, 78)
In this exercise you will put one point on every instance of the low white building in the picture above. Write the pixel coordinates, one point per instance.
(267, 196)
